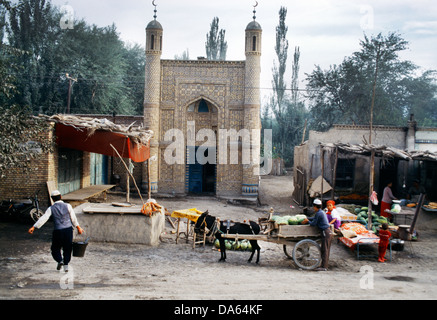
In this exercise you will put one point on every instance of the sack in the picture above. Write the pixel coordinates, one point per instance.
(348, 233)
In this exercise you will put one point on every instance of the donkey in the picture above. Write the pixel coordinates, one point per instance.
(210, 222)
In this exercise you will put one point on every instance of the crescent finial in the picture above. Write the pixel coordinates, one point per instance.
(254, 10)
(155, 5)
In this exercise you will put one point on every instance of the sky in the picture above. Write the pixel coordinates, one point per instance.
(326, 31)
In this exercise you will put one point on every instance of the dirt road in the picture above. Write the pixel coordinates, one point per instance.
(177, 271)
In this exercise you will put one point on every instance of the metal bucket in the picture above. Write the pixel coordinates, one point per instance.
(397, 245)
(79, 248)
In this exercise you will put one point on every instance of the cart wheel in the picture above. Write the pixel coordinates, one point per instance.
(36, 214)
(307, 254)
(288, 252)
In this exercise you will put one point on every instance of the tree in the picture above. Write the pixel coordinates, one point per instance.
(21, 135)
(109, 73)
(288, 111)
(374, 77)
(277, 104)
(184, 56)
(216, 46)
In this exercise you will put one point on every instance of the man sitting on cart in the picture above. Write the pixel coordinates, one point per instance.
(321, 221)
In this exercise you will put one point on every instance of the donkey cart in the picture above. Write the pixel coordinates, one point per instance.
(299, 242)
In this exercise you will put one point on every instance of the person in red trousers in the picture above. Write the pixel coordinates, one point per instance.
(387, 200)
(384, 240)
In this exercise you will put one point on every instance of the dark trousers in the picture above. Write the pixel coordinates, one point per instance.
(326, 247)
(62, 239)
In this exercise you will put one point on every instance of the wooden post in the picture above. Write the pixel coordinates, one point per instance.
(322, 161)
(148, 179)
(122, 161)
(304, 131)
(334, 173)
(371, 187)
(416, 214)
(127, 188)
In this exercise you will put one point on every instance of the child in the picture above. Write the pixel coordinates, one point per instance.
(384, 238)
(333, 215)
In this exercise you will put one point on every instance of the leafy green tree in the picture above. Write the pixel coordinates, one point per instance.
(289, 113)
(20, 134)
(216, 46)
(278, 105)
(109, 73)
(373, 85)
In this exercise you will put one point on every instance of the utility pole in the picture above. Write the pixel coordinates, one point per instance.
(71, 81)
(372, 156)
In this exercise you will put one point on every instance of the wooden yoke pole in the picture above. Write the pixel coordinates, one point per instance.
(139, 193)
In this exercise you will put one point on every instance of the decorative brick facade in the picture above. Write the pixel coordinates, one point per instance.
(173, 94)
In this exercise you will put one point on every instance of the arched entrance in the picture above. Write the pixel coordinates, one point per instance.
(201, 168)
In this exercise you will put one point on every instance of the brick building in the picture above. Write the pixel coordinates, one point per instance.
(191, 96)
(350, 172)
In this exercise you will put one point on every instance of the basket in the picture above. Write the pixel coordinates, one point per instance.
(79, 248)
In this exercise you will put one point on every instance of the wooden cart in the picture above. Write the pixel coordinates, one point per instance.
(299, 241)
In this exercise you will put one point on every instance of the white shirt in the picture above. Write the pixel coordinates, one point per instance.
(48, 214)
(335, 214)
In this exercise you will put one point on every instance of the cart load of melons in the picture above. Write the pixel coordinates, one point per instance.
(289, 220)
(243, 245)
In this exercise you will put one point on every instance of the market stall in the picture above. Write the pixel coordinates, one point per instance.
(191, 215)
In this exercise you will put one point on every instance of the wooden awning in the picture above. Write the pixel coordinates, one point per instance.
(100, 142)
(98, 136)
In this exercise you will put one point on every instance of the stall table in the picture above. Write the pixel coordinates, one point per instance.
(362, 237)
(405, 217)
(189, 214)
(363, 240)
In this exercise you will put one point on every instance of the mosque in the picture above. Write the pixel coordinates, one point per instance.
(188, 104)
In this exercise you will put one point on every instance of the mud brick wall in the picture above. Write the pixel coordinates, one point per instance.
(18, 184)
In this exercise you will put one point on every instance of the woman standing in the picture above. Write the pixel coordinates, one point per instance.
(387, 200)
(333, 215)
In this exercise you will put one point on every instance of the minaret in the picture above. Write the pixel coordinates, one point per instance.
(152, 90)
(252, 106)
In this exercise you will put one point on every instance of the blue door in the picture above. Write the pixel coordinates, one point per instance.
(196, 178)
(98, 169)
(202, 178)
(69, 170)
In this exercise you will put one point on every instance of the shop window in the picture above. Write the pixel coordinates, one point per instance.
(345, 173)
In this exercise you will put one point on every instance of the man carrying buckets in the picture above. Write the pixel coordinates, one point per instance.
(64, 219)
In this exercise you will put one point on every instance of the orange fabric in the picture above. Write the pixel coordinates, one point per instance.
(100, 142)
(368, 237)
(358, 228)
(149, 208)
